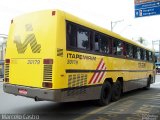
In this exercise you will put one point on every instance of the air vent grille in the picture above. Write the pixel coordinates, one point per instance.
(47, 74)
(77, 80)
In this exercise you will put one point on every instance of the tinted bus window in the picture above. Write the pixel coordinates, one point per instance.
(103, 44)
(150, 56)
(147, 55)
(142, 54)
(82, 39)
(129, 50)
(97, 43)
(117, 47)
(71, 35)
(135, 52)
(138, 53)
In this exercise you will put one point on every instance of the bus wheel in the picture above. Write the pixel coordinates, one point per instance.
(116, 91)
(148, 83)
(106, 93)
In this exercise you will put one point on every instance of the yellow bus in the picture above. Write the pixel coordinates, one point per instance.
(55, 56)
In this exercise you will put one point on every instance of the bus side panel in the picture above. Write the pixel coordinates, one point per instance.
(59, 80)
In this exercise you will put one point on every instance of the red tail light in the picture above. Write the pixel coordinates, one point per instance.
(7, 61)
(6, 79)
(48, 61)
(53, 13)
(47, 84)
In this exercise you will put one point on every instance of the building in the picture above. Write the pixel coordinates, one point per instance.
(3, 39)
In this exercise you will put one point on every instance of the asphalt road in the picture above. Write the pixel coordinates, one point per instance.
(135, 105)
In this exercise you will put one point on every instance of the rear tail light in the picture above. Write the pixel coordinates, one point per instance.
(7, 61)
(6, 79)
(48, 61)
(47, 84)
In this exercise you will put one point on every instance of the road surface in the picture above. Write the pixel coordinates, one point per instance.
(136, 105)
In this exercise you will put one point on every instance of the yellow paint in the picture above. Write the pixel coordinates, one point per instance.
(50, 33)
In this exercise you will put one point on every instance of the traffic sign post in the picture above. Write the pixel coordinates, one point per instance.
(143, 9)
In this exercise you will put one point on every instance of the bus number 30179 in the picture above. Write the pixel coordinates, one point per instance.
(33, 62)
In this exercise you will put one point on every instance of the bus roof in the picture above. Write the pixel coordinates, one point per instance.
(82, 22)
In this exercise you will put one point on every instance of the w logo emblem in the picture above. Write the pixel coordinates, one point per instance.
(30, 39)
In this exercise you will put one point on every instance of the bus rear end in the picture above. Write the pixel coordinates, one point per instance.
(30, 55)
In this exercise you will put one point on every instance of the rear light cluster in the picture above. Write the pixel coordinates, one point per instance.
(47, 63)
(47, 84)
(6, 79)
(7, 62)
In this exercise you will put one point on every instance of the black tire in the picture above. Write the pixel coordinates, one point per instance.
(116, 91)
(106, 93)
(148, 83)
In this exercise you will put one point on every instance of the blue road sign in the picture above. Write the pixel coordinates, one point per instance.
(147, 9)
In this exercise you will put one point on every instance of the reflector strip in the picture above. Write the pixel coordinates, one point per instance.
(48, 61)
(47, 84)
(7, 61)
(6, 79)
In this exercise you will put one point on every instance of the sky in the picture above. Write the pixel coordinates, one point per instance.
(99, 12)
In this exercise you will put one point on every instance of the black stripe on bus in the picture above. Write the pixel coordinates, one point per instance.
(86, 71)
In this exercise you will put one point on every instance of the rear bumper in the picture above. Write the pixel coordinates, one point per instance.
(61, 95)
(35, 93)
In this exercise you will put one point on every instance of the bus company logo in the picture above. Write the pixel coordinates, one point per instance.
(30, 39)
(99, 73)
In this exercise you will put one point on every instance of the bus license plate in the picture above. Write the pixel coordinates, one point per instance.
(22, 91)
